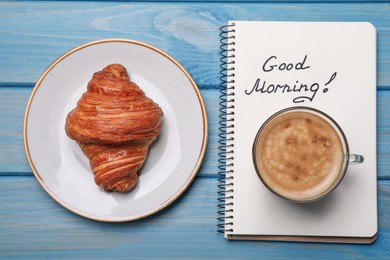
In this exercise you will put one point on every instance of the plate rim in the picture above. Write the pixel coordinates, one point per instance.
(191, 176)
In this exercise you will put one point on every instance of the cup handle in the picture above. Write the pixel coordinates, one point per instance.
(355, 159)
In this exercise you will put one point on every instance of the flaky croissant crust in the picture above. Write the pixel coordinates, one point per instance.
(114, 123)
(114, 110)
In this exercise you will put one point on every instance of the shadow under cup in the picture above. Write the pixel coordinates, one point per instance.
(301, 154)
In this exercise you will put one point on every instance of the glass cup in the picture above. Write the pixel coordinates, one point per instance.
(302, 154)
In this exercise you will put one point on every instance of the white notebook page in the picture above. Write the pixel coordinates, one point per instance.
(337, 61)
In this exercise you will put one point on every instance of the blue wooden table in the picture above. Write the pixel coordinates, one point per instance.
(34, 34)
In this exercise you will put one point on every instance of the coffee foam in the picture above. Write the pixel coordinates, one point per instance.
(300, 155)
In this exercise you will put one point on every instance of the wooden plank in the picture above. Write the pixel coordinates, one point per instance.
(13, 103)
(13, 160)
(33, 35)
(33, 225)
(383, 134)
(233, 1)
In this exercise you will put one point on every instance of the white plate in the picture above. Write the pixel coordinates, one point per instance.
(60, 166)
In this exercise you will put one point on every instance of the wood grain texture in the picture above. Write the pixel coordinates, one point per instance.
(39, 32)
(33, 225)
(34, 34)
(233, 1)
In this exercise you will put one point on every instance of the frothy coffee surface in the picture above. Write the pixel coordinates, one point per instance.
(300, 155)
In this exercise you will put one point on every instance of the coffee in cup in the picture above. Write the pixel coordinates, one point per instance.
(301, 154)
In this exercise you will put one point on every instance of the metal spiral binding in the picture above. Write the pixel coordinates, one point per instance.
(226, 129)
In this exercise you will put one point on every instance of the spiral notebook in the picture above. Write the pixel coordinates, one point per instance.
(269, 66)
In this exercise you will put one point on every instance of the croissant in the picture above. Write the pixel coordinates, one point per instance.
(114, 123)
